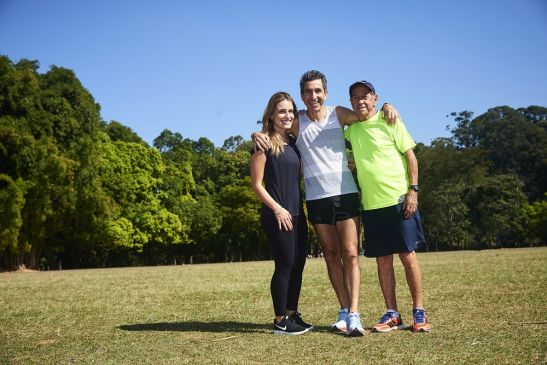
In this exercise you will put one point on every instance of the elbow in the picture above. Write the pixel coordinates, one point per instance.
(255, 188)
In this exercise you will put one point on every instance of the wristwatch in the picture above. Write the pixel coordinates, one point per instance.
(415, 188)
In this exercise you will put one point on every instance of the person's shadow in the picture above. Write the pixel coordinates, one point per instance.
(193, 326)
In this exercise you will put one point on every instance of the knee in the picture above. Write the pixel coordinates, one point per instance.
(384, 261)
(350, 254)
(332, 257)
(408, 259)
(283, 267)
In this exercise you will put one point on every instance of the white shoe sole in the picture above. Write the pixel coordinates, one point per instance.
(285, 333)
(339, 326)
(338, 329)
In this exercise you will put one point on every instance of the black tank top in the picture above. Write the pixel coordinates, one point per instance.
(282, 179)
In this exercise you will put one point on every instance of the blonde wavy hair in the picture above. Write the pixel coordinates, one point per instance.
(276, 140)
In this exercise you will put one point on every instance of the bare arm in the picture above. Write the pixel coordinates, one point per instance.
(346, 116)
(411, 199)
(258, 163)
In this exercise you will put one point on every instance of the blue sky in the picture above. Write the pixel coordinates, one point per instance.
(207, 68)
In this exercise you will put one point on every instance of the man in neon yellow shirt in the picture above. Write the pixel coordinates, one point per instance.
(387, 171)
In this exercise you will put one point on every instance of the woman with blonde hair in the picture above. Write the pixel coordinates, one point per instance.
(275, 179)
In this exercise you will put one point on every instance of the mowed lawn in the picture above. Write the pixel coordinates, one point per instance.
(486, 307)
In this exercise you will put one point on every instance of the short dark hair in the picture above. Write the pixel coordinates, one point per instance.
(310, 76)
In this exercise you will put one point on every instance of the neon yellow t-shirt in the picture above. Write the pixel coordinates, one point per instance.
(378, 149)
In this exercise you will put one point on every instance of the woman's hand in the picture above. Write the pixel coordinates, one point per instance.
(284, 219)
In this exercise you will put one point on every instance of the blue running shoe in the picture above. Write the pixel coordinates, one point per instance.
(390, 321)
(341, 324)
(421, 323)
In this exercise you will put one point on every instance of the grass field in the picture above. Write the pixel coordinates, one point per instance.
(486, 307)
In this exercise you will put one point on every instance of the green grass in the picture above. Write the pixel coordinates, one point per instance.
(486, 307)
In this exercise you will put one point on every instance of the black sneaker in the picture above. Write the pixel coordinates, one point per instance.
(297, 318)
(286, 327)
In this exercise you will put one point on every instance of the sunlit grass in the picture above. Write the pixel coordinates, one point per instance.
(486, 307)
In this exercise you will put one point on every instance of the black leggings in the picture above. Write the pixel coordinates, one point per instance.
(289, 251)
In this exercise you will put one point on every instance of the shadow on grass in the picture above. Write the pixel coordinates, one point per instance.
(194, 326)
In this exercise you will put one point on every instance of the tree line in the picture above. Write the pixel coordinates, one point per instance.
(76, 191)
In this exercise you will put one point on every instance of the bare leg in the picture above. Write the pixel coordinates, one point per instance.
(413, 277)
(348, 237)
(328, 238)
(386, 277)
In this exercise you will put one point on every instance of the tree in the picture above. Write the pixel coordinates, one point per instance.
(73, 113)
(119, 132)
(46, 123)
(231, 144)
(241, 231)
(169, 141)
(11, 205)
(203, 146)
(514, 141)
(49, 198)
(536, 222)
(205, 225)
(462, 135)
(443, 164)
(19, 89)
(496, 211)
(446, 221)
(131, 173)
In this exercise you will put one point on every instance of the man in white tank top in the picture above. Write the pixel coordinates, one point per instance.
(331, 193)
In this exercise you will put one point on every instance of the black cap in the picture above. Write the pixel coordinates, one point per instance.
(364, 83)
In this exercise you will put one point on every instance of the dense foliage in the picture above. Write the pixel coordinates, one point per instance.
(76, 191)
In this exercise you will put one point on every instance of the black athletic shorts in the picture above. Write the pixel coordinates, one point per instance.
(333, 209)
(387, 231)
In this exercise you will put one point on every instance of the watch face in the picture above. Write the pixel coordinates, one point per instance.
(414, 187)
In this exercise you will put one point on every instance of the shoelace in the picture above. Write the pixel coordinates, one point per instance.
(297, 317)
(419, 316)
(354, 318)
(386, 317)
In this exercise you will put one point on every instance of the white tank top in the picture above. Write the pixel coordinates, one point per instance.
(323, 151)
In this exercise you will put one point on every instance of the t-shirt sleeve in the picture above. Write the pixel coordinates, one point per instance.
(403, 140)
(347, 133)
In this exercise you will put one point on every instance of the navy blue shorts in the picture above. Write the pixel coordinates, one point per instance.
(334, 208)
(387, 231)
